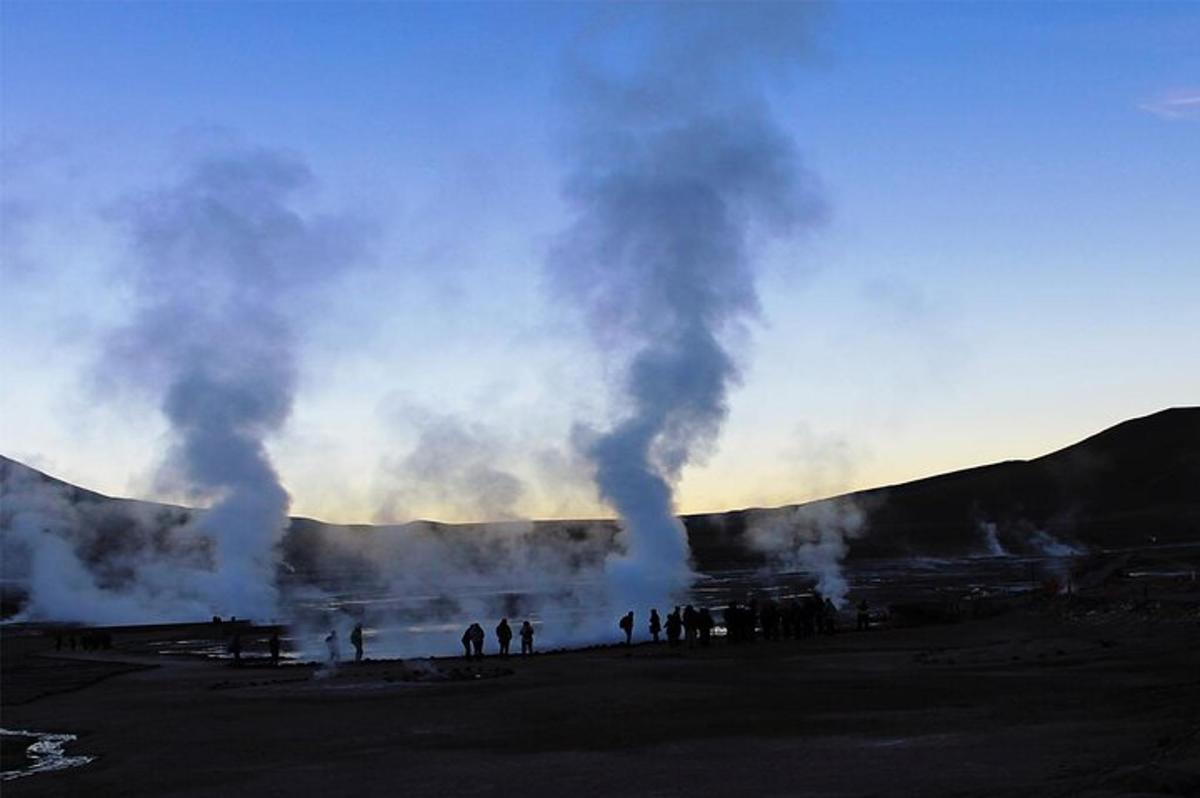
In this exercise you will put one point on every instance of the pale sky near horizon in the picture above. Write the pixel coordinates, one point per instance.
(1010, 260)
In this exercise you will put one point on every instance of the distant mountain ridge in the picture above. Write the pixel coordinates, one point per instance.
(1132, 483)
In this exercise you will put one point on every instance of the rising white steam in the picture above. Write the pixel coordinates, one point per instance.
(675, 167)
(220, 261)
(813, 539)
(418, 586)
(85, 558)
(991, 539)
(1045, 543)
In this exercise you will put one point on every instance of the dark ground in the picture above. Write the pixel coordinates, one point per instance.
(1067, 697)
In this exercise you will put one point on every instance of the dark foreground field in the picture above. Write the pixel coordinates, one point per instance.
(1067, 697)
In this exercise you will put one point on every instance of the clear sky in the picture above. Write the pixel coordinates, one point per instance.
(1010, 261)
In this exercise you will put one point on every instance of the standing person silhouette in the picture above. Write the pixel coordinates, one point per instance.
(704, 625)
(626, 625)
(335, 650)
(689, 625)
(864, 616)
(356, 640)
(674, 628)
(527, 638)
(655, 625)
(477, 640)
(504, 636)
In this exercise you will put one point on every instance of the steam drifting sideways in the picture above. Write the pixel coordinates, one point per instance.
(220, 261)
(676, 171)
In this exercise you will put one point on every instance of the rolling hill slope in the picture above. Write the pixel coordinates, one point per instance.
(1131, 484)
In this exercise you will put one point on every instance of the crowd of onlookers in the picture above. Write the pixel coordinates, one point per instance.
(473, 638)
(743, 623)
(740, 623)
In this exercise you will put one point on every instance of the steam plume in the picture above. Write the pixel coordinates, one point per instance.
(220, 258)
(814, 539)
(674, 166)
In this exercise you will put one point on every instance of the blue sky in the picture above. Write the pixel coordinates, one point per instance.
(1010, 260)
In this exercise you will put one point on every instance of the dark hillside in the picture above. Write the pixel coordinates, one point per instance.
(1134, 483)
(1131, 484)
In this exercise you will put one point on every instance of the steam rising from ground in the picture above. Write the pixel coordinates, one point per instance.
(219, 258)
(219, 262)
(417, 586)
(677, 172)
(99, 562)
(675, 165)
(812, 538)
(991, 538)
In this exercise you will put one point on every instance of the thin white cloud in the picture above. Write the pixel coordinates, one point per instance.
(1176, 104)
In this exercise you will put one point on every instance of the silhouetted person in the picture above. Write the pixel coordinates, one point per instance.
(235, 648)
(335, 650)
(864, 616)
(811, 614)
(655, 625)
(466, 641)
(704, 625)
(477, 640)
(689, 625)
(527, 638)
(828, 617)
(795, 613)
(626, 625)
(273, 646)
(356, 640)
(733, 623)
(674, 628)
(769, 616)
(504, 636)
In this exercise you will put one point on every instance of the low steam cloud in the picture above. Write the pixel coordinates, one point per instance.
(813, 539)
(99, 561)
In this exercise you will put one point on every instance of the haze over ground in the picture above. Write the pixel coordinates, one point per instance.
(1008, 262)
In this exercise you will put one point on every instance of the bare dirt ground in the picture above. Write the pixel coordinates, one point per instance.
(1059, 698)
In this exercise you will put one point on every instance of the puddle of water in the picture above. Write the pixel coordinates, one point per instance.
(44, 755)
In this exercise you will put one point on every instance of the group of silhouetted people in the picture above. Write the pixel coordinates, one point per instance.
(796, 619)
(335, 649)
(811, 616)
(274, 646)
(473, 639)
(88, 641)
(690, 625)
